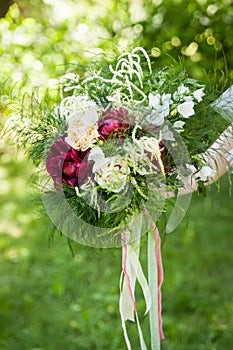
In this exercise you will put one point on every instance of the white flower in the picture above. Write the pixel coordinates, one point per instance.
(205, 172)
(154, 100)
(182, 89)
(97, 155)
(178, 126)
(79, 108)
(186, 109)
(111, 172)
(160, 108)
(80, 136)
(198, 94)
(188, 98)
(155, 118)
(166, 98)
(82, 117)
(112, 176)
(167, 134)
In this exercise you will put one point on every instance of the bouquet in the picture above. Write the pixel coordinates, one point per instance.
(120, 140)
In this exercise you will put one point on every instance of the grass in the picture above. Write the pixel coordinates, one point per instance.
(49, 300)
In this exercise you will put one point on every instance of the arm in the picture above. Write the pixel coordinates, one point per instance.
(216, 157)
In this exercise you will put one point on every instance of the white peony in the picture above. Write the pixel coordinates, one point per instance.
(111, 172)
(113, 175)
(80, 136)
(186, 109)
(82, 118)
(97, 155)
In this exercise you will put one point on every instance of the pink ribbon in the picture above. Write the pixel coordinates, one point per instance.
(160, 277)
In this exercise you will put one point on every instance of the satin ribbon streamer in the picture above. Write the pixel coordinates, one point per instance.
(132, 271)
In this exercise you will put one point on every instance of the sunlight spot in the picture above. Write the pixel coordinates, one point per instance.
(17, 76)
(157, 20)
(211, 40)
(218, 46)
(201, 2)
(38, 65)
(101, 324)
(168, 45)
(190, 50)
(62, 10)
(137, 11)
(175, 41)
(75, 307)
(53, 83)
(208, 32)
(111, 309)
(157, 2)
(205, 21)
(212, 9)
(4, 187)
(74, 324)
(138, 29)
(3, 172)
(197, 57)
(8, 228)
(155, 52)
(14, 254)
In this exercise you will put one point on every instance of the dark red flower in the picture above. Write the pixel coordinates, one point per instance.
(114, 122)
(66, 165)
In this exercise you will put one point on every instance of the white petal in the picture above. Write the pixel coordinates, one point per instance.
(155, 118)
(198, 94)
(154, 100)
(167, 134)
(90, 117)
(182, 89)
(97, 155)
(186, 109)
(205, 172)
(178, 125)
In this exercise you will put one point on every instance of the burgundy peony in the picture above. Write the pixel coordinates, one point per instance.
(66, 165)
(114, 123)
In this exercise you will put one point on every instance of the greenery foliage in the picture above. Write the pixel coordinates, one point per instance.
(50, 300)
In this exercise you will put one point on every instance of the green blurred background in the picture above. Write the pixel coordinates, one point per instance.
(50, 300)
